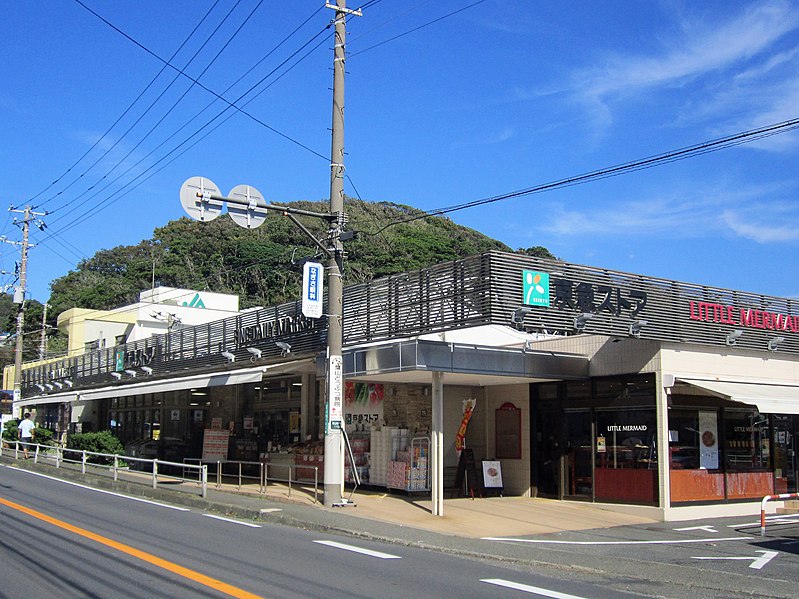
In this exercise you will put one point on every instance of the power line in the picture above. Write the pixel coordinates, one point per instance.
(619, 169)
(121, 116)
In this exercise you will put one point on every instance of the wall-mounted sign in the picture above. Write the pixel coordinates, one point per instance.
(536, 288)
(744, 317)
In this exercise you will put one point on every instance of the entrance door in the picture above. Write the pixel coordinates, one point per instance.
(785, 462)
(547, 450)
(579, 462)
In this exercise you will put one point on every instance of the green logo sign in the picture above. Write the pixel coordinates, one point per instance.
(195, 302)
(536, 288)
(119, 361)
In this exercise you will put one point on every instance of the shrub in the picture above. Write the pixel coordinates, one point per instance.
(41, 435)
(98, 442)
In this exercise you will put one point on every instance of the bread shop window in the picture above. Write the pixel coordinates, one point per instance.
(626, 466)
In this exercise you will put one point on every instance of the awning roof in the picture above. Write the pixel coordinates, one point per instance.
(769, 399)
(234, 377)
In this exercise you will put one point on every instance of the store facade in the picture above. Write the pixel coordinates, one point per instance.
(582, 383)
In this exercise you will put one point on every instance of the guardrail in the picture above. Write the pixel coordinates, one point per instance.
(221, 469)
(767, 498)
(114, 462)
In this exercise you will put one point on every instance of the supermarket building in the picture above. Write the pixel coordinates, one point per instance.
(581, 383)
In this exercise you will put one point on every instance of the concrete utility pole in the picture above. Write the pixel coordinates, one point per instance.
(43, 340)
(19, 298)
(334, 453)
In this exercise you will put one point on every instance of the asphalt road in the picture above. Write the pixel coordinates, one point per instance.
(64, 540)
(81, 542)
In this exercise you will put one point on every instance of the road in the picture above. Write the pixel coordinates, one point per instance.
(64, 540)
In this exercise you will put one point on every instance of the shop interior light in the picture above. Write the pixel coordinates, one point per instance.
(58, 384)
(635, 327)
(68, 382)
(775, 342)
(732, 337)
(255, 352)
(517, 316)
(285, 348)
(116, 375)
(230, 357)
(49, 386)
(131, 373)
(40, 387)
(147, 370)
(579, 322)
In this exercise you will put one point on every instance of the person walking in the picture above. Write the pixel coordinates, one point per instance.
(26, 431)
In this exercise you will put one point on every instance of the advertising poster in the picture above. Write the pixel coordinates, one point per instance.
(215, 443)
(708, 441)
(492, 475)
(363, 405)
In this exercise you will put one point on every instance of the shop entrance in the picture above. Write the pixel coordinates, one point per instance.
(579, 463)
(785, 463)
(563, 452)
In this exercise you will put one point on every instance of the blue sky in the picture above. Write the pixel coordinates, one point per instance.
(443, 106)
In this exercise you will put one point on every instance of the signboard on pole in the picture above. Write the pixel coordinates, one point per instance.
(335, 396)
(312, 275)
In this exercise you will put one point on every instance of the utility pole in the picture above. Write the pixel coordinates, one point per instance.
(19, 298)
(201, 200)
(43, 340)
(334, 452)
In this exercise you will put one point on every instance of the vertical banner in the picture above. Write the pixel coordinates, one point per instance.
(460, 436)
(335, 393)
(312, 274)
(708, 440)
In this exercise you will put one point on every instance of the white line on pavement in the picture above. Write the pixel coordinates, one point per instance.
(354, 549)
(250, 524)
(663, 542)
(757, 562)
(529, 589)
(69, 482)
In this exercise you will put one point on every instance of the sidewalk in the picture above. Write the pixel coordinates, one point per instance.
(378, 512)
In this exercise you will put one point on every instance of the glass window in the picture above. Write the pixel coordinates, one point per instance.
(746, 440)
(626, 439)
(684, 439)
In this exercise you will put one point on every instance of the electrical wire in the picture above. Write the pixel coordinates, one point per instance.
(121, 116)
(619, 169)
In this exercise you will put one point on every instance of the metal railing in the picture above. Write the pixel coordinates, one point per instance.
(768, 498)
(152, 470)
(236, 470)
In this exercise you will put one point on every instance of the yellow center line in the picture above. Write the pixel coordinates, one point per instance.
(142, 555)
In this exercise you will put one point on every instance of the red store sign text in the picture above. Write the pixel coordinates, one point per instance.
(747, 317)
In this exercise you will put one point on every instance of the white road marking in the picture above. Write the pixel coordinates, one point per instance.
(757, 562)
(269, 510)
(705, 528)
(354, 549)
(69, 482)
(779, 519)
(528, 589)
(663, 542)
(250, 524)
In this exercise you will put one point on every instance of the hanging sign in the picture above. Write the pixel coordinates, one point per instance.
(312, 274)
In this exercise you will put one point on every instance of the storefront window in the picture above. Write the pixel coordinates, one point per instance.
(684, 439)
(746, 441)
(626, 439)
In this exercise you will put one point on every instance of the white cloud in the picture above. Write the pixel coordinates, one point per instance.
(699, 50)
(694, 213)
(777, 226)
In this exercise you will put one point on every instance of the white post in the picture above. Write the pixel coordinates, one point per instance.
(437, 445)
